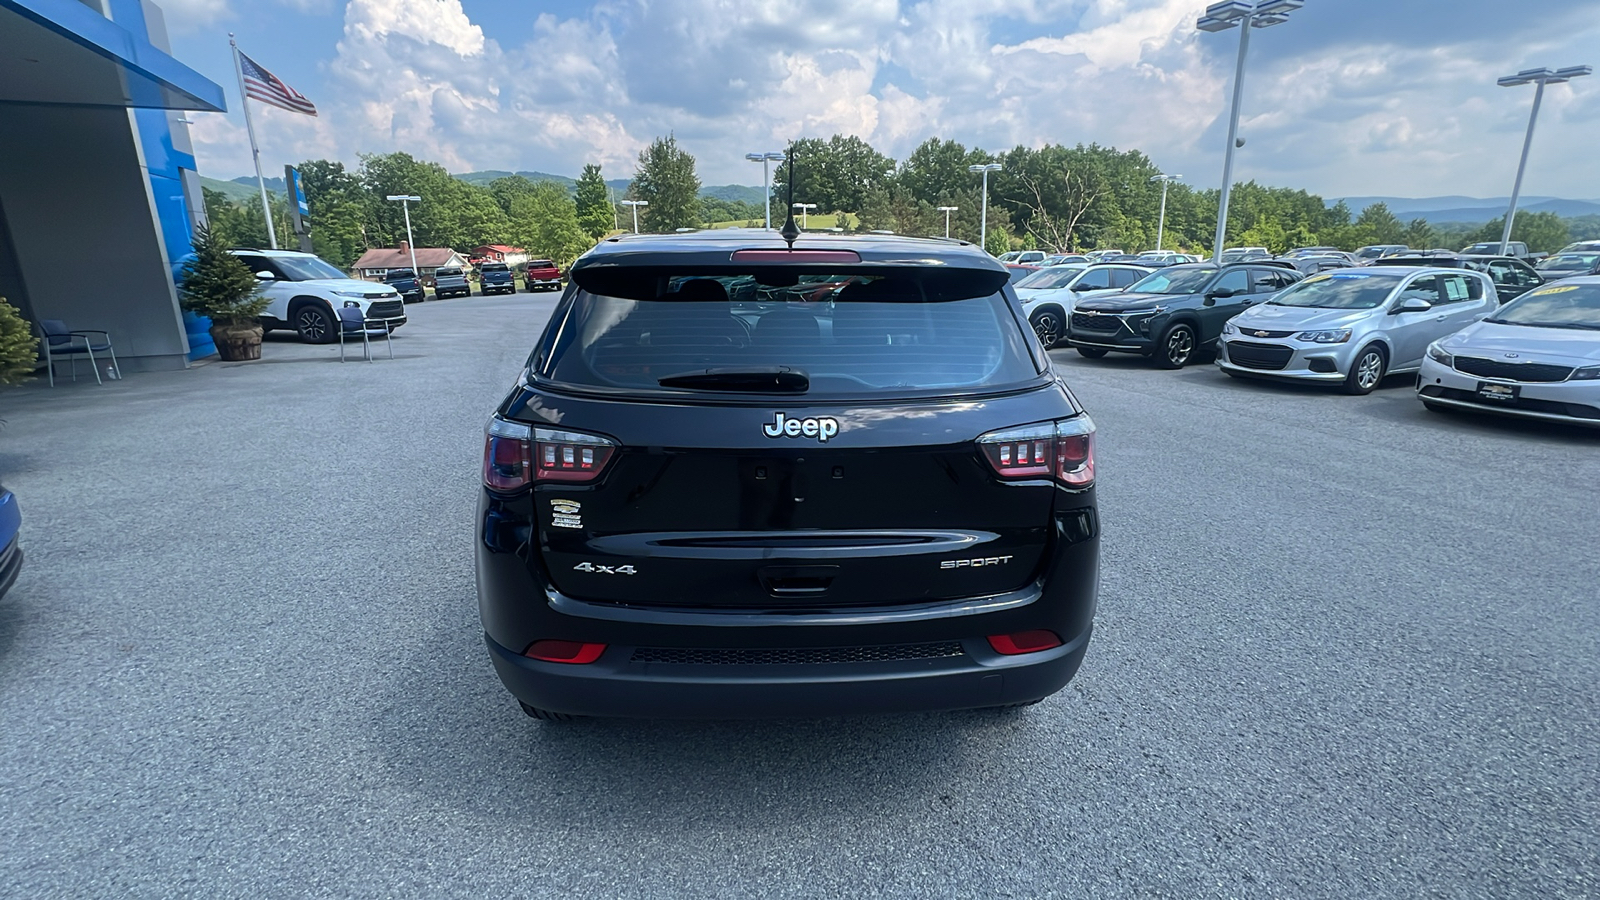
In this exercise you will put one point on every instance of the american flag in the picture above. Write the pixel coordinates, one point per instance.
(270, 89)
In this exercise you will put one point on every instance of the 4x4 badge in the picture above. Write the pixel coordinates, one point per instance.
(784, 426)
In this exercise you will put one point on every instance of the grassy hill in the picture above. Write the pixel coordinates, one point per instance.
(239, 190)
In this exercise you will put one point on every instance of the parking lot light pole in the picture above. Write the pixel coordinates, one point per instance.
(983, 220)
(947, 210)
(766, 179)
(1221, 17)
(636, 204)
(804, 209)
(1161, 222)
(1540, 77)
(405, 204)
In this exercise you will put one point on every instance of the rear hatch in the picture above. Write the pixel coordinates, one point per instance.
(750, 445)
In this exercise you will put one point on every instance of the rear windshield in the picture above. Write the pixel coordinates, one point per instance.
(449, 272)
(492, 267)
(399, 273)
(851, 335)
(541, 264)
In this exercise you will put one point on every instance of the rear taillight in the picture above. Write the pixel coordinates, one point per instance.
(569, 455)
(1061, 450)
(516, 455)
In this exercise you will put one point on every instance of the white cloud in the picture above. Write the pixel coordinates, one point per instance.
(1332, 104)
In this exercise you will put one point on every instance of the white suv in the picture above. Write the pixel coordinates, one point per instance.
(304, 290)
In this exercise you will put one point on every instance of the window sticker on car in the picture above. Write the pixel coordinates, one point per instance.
(1345, 275)
(1553, 290)
(1316, 278)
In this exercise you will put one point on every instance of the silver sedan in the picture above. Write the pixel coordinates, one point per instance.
(1537, 357)
(1351, 327)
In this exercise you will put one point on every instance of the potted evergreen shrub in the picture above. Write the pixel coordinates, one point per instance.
(19, 346)
(219, 286)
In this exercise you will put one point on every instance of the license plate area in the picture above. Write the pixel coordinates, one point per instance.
(1495, 392)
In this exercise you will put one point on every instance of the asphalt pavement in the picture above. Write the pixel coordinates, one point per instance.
(1346, 648)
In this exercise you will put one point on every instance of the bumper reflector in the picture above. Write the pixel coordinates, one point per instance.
(573, 652)
(1024, 642)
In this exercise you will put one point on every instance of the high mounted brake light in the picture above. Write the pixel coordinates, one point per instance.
(1063, 450)
(797, 257)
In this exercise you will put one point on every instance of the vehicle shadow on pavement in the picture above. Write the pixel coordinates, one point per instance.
(477, 751)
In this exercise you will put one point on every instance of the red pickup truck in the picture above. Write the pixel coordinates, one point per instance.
(542, 275)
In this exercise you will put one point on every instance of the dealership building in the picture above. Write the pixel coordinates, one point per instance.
(98, 190)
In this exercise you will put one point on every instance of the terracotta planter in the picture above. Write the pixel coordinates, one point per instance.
(237, 343)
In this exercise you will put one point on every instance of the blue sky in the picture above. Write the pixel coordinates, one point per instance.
(1351, 97)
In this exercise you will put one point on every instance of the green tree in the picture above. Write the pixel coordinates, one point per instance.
(1385, 226)
(596, 214)
(1419, 235)
(666, 181)
(218, 285)
(19, 349)
(836, 174)
(1543, 232)
(545, 222)
(339, 214)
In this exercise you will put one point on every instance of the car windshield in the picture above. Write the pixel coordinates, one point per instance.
(1556, 306)
(492, 267)
(307, 268)
(541, 264)
(1178, 280)
(1053, 277)
(449, 272)
(399, 273)
(1570, 261)
(877, 335)
(1340, 290)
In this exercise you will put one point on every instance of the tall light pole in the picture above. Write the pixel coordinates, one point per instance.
(766, 179)
(1221, 17)
(1541, 77)
(983, 222)
(947, 210)
(636, 204)
(405, 203)
(804, 208)
(1161, 223)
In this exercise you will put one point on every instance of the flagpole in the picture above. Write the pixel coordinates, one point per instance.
(255, 152)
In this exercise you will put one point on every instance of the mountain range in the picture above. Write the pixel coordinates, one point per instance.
(1436, 210)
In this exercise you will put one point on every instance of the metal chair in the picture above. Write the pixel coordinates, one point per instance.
(353, 323)
(59, 341)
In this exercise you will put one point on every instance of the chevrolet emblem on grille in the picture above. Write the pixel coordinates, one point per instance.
(1262, 333)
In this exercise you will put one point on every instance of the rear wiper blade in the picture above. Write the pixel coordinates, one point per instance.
(753, 379)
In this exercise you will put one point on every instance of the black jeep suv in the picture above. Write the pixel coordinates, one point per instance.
(1174, 314)
(720, 491)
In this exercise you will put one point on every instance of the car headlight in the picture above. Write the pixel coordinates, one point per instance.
(1438, 355)
(357, 294)
(1325, 337)
(1229, 328)
(1590, 373)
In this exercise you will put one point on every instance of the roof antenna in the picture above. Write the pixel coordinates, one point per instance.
(790, 229)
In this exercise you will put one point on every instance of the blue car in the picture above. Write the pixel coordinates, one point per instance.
(10, 548)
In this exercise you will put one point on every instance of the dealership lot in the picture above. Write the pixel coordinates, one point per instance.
(1346, 647)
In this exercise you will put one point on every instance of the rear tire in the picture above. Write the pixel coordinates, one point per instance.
(1367, 371)
(545, 715)
(1091, 352)
(1176, 347)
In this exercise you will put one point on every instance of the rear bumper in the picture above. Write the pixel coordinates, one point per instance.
(617, 685)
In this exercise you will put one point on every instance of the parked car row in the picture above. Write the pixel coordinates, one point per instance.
(1486, 334)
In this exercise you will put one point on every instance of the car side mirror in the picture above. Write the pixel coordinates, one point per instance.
(1413, 304)
(1220, 294)
(264, 275)
(1080, 287)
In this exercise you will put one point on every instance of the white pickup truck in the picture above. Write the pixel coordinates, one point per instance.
(303, 291)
